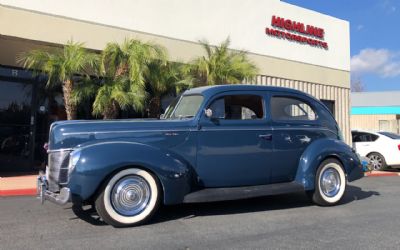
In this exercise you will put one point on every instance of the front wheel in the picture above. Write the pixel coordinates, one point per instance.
(129, 198)
(330, 183)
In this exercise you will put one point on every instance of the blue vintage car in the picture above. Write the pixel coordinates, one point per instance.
(213, 143)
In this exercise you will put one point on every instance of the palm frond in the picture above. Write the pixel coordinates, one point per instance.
(84, 90)
(220, 66)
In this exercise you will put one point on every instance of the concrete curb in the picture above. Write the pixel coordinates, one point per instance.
(381, 173)
(18, 186)
(18, 192)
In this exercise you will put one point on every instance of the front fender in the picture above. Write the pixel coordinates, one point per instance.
(98, 161)
(318, 151)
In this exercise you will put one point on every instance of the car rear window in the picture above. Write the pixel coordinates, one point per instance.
(390, 135)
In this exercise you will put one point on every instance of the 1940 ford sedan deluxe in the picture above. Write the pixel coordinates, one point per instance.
(213, 143)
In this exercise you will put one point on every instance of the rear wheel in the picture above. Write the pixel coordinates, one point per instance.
(129, 198)
(330, 183)
(377, 161)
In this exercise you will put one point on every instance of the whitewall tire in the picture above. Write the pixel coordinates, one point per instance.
(129, 198)
(330, 183)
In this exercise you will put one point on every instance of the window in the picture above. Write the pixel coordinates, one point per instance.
(384, 125)
(363, 137)
(390, 135)
(184, 107)
(330, 105)
(287, 109)
(237, 107)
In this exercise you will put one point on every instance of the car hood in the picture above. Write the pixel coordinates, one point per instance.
(162, 133)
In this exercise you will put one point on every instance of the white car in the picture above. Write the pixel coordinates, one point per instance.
(382, 148)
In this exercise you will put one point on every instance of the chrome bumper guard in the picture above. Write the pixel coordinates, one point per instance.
(44, 194)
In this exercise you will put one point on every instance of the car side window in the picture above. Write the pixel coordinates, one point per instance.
(374, 137)
(291, 109)
(371, 137)
(238, 107)
(356, 137)
(364, 137)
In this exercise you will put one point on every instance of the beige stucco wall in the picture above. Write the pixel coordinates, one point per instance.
(244, 21)
(371, 122)
(58, 30)
(21, 30)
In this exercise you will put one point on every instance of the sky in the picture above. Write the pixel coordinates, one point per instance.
(374, 36)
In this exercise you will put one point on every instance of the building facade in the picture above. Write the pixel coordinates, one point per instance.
(376, 111)
(292, 47)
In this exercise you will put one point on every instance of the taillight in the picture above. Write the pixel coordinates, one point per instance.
(398, 146)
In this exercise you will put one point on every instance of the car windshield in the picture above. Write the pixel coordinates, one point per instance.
(185, 106)
(390, 135)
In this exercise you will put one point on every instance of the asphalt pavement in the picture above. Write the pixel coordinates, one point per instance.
(367, 218)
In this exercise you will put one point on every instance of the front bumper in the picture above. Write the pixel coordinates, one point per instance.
(61, 198)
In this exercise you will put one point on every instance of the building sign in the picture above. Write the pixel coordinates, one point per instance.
(297, 32)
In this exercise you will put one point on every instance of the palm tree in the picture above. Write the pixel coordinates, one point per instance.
(220, 66)
(62, 66)
(124, 67)
(162, 79)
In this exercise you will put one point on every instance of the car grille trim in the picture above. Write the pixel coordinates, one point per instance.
(58, 162)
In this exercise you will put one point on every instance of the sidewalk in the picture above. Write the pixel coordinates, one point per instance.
(18, 186)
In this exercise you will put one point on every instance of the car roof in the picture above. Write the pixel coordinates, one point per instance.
(215, 89)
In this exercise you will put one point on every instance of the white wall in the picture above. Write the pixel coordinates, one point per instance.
(243, 20)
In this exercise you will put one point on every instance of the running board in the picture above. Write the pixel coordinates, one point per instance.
(236, 193)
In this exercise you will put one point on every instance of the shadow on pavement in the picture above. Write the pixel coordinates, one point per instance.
(395, 170)
(88, 214)
(354, 193)
(268, 203)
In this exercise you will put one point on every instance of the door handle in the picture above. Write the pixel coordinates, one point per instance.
(267, 137)
(287, 138)
(304, 138)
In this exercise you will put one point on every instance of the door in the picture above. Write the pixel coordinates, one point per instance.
(294, 121)
(15, 126)
(234, 143)
(363, 142)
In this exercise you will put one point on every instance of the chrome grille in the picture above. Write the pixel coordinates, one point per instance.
(58, 169)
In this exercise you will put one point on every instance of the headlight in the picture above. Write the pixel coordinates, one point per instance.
(73, 160)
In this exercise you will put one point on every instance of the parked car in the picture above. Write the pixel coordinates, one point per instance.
(382, 148)
(213, 143)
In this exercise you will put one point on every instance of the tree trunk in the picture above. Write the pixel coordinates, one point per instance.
(70, 107)
(155, 107)
(121, 70)
(111, 112)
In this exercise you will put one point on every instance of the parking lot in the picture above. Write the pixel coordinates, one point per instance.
(367, 218)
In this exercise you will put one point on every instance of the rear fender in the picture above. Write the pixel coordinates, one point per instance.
(320, 150)
(99, 161)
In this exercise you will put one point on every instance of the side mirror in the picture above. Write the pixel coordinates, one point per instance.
(208, 113)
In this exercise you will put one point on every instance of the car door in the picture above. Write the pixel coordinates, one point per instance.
(364, 142)
(234, 143)
(295, 124)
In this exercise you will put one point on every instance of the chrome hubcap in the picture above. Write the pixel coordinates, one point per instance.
(376, 162)
(330, 182)
(130, 195)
